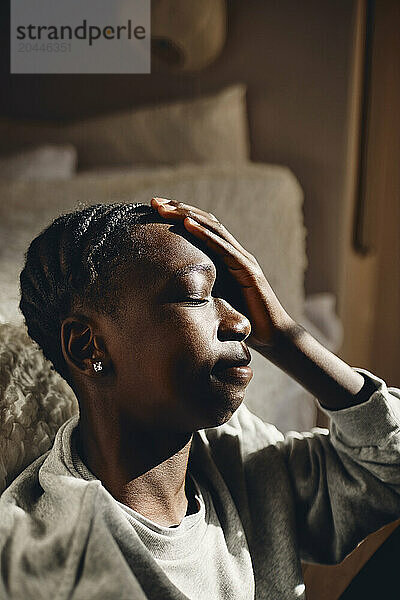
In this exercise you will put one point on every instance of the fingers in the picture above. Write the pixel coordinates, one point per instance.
(179, 211)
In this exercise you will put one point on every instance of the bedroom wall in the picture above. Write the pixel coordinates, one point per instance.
(370, 302)
(295, 58)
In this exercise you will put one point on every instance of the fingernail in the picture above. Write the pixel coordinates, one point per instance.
(161, 200)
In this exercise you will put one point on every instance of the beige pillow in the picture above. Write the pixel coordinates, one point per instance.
(44, 162)
(211, 129)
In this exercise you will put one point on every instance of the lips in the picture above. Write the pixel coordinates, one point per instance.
(235, 374)
(227, 364)
(241, 359)
(234, 369)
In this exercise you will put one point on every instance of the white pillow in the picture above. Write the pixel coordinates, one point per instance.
(44, 162)
(34, 402)
(211, 129)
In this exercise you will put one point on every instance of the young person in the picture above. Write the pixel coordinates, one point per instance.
(166, 486)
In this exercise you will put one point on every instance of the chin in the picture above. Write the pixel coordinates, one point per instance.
(218, 410)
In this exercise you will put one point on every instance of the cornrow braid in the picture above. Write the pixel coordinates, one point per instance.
(72, 263)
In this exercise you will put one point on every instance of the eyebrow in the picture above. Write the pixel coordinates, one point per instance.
(205, 268)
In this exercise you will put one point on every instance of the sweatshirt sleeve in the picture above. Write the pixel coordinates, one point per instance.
(346, 481)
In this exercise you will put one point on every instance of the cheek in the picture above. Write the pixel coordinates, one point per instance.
(188, 336)
(173, 346)
(188, 339)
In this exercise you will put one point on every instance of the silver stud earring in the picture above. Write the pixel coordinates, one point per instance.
(98, 366)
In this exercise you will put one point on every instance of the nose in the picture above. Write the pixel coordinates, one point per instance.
(233, 325)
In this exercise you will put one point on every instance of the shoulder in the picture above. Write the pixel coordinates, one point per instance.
(19, 497)
(46, 491)
(45, 513)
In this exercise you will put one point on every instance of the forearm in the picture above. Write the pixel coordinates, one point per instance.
(333, 382)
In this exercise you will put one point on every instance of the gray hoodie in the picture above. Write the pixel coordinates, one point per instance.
(271, 500)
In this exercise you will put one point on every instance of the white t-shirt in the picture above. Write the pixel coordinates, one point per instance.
(194, 554)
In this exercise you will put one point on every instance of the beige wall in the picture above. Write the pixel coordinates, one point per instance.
(370, 294)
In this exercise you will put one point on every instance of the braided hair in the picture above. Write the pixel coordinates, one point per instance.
(73, 264)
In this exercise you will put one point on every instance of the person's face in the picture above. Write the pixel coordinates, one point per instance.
(171, 348)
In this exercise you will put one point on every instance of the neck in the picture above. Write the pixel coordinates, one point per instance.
(145, 470)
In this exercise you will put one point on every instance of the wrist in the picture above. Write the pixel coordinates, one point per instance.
(363, 395)
(322, 373)
(283, 331)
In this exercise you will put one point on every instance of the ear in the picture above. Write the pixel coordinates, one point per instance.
(82, 347)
